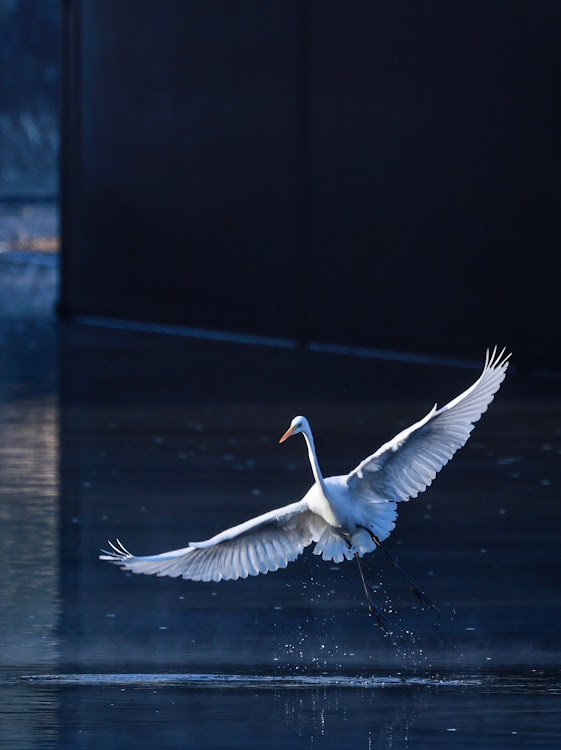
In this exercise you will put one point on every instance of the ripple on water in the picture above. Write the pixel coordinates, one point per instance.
(498, 682)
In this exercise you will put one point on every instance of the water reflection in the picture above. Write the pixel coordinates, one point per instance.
(209, 711)
(29, 529)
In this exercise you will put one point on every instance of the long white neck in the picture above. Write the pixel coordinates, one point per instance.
(318, 476)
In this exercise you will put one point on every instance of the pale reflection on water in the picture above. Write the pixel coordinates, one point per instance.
(29, 529)
(29, 521)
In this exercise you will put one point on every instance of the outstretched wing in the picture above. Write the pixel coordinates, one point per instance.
(260, 545)
(406, 466)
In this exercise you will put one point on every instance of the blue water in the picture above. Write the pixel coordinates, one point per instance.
(505, 710)
(108, 434)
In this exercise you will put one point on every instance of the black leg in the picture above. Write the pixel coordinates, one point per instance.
(374, 610)
(423, 598)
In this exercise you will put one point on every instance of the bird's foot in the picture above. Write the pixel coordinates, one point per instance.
(381, 619)
(423, 598)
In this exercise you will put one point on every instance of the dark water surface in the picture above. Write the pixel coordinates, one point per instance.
(159, 440)
(211, 711)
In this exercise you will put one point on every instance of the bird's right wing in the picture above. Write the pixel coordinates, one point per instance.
(406, 465)
(262, 544)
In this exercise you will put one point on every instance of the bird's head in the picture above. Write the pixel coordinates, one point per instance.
(298, 424)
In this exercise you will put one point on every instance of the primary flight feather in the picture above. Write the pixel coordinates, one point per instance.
(346, 516)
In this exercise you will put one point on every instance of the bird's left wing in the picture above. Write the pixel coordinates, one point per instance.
(406, 465)
(260, 545)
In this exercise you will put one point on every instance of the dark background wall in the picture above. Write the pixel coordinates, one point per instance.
(384, 174)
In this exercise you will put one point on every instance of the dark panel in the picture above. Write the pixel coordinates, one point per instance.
(383, 174)
(189, 146)
(432, 179)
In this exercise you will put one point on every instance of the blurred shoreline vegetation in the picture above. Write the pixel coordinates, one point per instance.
(30, 62)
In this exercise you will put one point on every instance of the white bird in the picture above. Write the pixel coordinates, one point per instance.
(346, 516)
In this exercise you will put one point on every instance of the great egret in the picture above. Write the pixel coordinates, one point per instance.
(346, 516)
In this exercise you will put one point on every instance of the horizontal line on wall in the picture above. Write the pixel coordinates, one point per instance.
(279, 342)
(395, 356)
(187, 331)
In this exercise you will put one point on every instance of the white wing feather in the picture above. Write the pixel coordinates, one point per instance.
(262, 544)
(406, 465)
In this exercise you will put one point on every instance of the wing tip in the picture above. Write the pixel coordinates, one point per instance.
(495, 361)
(118, 553)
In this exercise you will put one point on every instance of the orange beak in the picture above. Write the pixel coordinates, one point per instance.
(287, 434)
